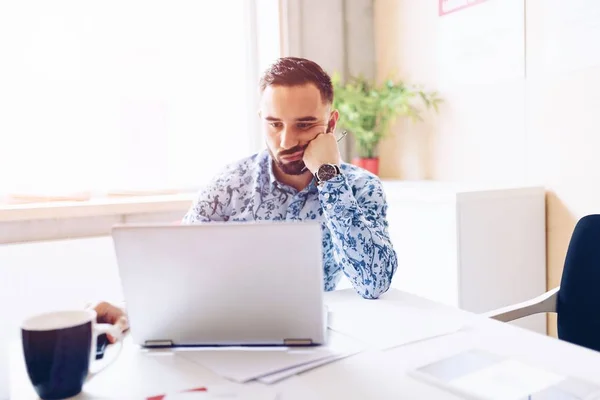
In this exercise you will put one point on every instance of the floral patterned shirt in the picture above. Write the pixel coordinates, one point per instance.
(350, 207)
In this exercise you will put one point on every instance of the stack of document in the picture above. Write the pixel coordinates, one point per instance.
(269, 365)
(353, 327)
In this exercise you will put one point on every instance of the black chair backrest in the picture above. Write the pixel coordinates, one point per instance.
(578, 303)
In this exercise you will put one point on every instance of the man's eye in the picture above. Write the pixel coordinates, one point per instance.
(303, 126)
(275, 124)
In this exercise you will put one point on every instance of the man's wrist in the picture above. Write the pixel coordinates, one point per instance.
(336, 183)
(326, 172)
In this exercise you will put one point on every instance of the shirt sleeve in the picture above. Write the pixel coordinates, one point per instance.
(359, 228)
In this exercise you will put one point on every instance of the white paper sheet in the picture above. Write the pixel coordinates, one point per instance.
(509, 379)
(569, 31)
(480, 374)
(383, 326)
(278, 376)
(340, 344)
(245, 364)
(482, 44)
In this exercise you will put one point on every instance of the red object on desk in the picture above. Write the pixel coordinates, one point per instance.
(162, 396)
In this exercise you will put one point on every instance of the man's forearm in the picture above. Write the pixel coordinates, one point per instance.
(359, 233)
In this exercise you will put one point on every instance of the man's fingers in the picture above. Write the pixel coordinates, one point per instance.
(123, 324)
(109, 314)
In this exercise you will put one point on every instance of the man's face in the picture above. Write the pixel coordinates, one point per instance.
(291, 117)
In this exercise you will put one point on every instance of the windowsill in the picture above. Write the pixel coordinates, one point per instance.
(96, 207)
(45, 221)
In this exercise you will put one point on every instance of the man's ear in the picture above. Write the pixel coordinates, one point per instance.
(333, 119)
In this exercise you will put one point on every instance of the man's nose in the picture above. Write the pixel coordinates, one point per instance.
(287, 140)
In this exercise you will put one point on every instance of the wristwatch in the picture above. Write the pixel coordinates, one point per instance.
(326, 172)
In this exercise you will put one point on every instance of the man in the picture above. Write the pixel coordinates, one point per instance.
(300, 176)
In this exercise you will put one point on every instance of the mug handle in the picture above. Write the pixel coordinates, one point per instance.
(98, 330)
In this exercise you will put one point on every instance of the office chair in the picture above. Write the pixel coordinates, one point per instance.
(577, 300)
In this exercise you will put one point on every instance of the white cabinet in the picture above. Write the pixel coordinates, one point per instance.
(474, 247)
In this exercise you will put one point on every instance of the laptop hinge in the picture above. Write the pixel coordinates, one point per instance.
(297, 342)
(158, 343)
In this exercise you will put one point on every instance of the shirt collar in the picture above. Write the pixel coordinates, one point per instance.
(266, 158)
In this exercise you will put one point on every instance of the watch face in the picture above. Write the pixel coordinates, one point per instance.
(326, 172)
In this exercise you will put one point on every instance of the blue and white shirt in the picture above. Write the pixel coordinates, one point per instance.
(351, 208)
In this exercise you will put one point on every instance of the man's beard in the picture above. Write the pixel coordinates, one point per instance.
(290, 168)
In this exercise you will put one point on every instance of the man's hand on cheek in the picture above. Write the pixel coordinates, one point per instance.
(321, 150)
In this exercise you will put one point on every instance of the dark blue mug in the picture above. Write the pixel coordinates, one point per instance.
(59, 348)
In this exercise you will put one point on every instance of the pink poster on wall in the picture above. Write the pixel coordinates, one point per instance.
(450, 6)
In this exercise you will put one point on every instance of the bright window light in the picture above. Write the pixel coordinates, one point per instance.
(126, 95)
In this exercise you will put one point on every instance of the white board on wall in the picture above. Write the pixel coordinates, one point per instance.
(481, 44)
(569, 32)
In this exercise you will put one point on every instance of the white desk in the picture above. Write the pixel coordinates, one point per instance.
(372, 374)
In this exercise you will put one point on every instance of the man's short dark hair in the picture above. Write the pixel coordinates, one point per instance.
(295, 71)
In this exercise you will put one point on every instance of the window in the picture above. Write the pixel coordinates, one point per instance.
(98, 97)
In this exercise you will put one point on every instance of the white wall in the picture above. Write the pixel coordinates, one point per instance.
(539, 129)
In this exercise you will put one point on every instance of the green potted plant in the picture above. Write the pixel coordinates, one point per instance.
(367, 111)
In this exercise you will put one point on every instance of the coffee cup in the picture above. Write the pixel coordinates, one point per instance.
(59, 348)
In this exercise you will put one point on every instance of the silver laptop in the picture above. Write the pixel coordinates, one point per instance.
(222, 283)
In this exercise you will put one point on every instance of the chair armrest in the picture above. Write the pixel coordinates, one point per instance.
(542, 304)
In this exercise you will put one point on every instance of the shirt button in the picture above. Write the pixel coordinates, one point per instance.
(345, 247)
(329, 206)
(326, 195)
